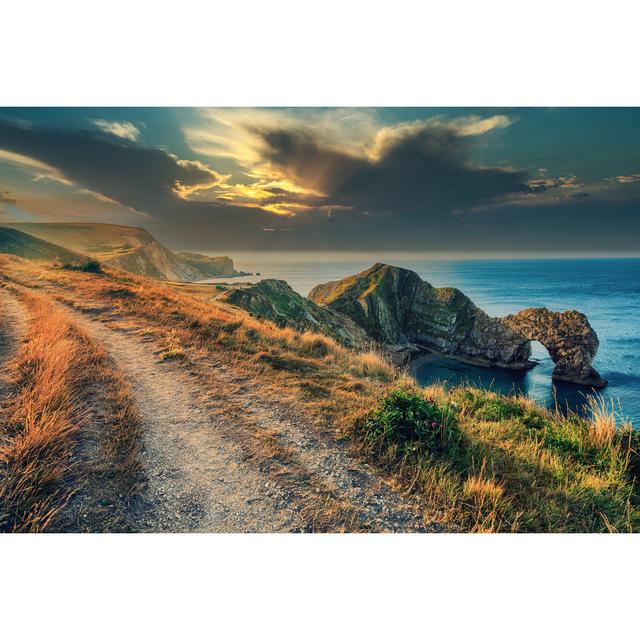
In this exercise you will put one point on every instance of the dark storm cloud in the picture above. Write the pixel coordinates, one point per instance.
(422, 168)
(138, 177)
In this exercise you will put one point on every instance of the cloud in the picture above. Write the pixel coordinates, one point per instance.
(539, 185)
(40, 170)
(329, 146)
(634, 177)
(477, 126)
(142, 178)
(230, 133)
(126, 130)
(145, 180)
(421, 166)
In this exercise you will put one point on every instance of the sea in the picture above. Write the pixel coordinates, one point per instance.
(607, 290)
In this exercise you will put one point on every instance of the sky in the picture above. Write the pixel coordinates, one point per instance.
(464, 180)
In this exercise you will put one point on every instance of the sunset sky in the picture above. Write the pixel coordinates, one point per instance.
(436, 179)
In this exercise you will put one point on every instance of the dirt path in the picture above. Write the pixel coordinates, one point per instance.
(13, 319)
(197, 481)
(205, 452)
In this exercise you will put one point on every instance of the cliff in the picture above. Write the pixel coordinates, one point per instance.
(211, 266)
(404, 314)
(130, 248)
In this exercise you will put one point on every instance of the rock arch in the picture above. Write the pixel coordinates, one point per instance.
(569, 339)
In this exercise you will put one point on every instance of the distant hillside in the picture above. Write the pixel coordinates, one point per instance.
(217, 266)
(27, 246)
(130, 248)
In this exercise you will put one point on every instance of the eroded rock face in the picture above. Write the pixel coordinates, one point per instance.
(404, 313)
(569, 339)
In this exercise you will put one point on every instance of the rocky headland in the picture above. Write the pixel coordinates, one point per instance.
(404, 315)
(569, 339)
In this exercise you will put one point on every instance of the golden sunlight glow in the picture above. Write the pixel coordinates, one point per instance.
(185, 191)
(268, 190)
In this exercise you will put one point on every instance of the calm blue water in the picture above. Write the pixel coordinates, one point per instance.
(606, 290)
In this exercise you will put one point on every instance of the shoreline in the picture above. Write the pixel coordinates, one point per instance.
(424, 357)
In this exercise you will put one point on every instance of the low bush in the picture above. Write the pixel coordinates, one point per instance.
(405, 419)
(90, 265)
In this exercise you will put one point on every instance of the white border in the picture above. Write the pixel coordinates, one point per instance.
(284, 52)
(331, 53)
(354, 586)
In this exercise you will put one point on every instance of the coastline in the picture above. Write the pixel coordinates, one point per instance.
(424, 357)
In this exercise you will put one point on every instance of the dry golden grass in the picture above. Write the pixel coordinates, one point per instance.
(36, 442)
(50, 376)
(603, 427)
(486, 497)
(298, 367)
(372, 364)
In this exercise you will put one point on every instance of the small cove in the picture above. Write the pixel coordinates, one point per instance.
(607, 290)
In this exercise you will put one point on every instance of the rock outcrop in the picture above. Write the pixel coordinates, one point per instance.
(275, 300)
(569, 339)
(406, 315)
(208, 265)
(403, 313)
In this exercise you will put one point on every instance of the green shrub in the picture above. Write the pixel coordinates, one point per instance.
(91, 266)
(404, 418)
(496, 408)
(534, 420)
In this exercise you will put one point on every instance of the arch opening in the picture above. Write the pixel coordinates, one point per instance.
(539, 353)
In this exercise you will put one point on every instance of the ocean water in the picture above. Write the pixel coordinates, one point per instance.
(607, 290)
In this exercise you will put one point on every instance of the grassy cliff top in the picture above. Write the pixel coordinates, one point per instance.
(105, 241)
